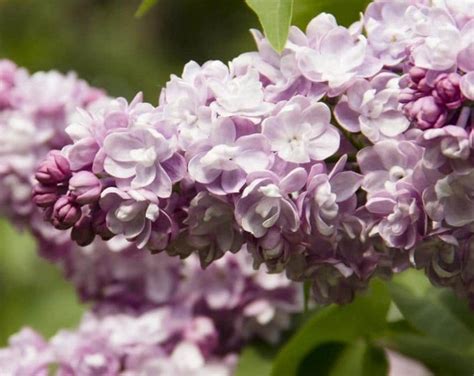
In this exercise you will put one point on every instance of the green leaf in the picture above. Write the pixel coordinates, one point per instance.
(306, 294)
(459, 307)
(144, 7)
(440, 359)
(423, 307)
(255, 359)
(275, 17)
(323, 358)
(345, 11)
(360, 359)
(362, 318)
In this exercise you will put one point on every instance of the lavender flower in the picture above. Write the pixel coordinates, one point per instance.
(327, 196)
(301, 131)
(212, 229)
(130, 213)
(402, 219)
(240, 96)
(389, 31)
(142, 159)
(223, 162)
(28, 354)
(338, 58)
(266, 203)
(373, 108)
(449, 199)
(387, 163)
(444, 144)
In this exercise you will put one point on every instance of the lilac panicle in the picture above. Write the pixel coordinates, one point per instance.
(331, 161)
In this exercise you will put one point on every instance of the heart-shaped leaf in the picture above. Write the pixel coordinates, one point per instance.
(275, 17)
(144, 7)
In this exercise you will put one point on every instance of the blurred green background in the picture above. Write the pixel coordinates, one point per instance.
(108, 46)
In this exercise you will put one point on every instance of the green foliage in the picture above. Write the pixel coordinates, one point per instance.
(359, 359)
(256, 360)
(144, 7)
(408, 315)
(364, 318)
(275, 17)
(424, 309)
(443, 361)
(306, 294)
(442, 334)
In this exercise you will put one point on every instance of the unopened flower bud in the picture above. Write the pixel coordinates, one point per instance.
(85, 187)
(447, 90)
(65, 213)
(45, 195)
(82, 232)
(99, 224)
(418, 80)
(426, 113)
(54, 169)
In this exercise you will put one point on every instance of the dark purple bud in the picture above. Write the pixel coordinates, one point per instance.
(65, 213)
(426, 113)
(85, 187)
(45, 195)
(418, 81)
(82, 232)
(447, 90)
(99, 224)
(54, 169)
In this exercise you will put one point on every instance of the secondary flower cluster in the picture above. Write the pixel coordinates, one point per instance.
(152, 315)
(115, 345)
(159, 342)
(335, 160)
(241, 303)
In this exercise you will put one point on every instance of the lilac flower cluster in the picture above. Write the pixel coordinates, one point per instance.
(129, 289)
(335, 160)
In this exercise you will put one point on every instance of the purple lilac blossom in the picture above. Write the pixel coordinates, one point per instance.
(331, 161)
(301, 131)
